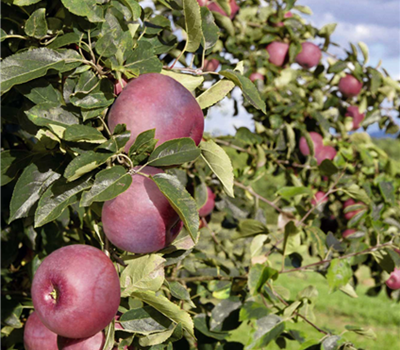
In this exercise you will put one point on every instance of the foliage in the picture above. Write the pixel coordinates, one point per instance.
(217, 287)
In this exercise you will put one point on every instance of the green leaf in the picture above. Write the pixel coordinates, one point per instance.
(91, 9)
(200, 323)
(156, 338)
(358, 193)
(84, 163)
(318, 238)
(97, 99)
(25, 2)
(143, 273)
(143, 146)
(215, 93)
(57, 198)
(181, 201)
(118, 140)
(364, 49)
(222, 310)
(339, 274)
(288, 192)
(28, 65)
(174, 152)
(193, 25)
(268, 329)
(32, 183)
(303, 9)
(143, 60)
(220, 164)
(36, 24)
(83, 133)
(327, 30)
(190, 82)
(327, 168)
(258, 276)
(338, 67)
(134, 7)
(330, 343)
(368, 333)
(12, 161)
(180, 292)
(251, 227)
(388, 191)
(108, 184)
(41, 91)
(209, 28)
(109, 332)
(64, 40)
(249, 90)
(167, 308)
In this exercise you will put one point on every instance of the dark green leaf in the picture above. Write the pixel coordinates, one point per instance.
(258, 276)
(250, 227)
(222, 310)
(387, 190)
(339, 274)
(327, 168)
(41, 91)
(193, 25)
(12, 161)
(91, 9)
(269, 328)
(36, 25)
(143, 60)
(209, 28)
(83, 133)
(143, 146)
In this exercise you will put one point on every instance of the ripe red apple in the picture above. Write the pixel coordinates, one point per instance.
(157, 101)
(76, 291)
(325, 152)
(119, 86)
(309, 56)
(256, 76)
(141, 220)
(317, 142)
(349, 86)
(37, 336)
(348, 232)
(211, 65)
(278, 53)
(319, 198)
(213, 6)
(354, 113)
(394, 280)
(208, 206)
(348, 203)
(95, 342)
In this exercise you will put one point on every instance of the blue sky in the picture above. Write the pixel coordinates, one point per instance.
(375, 22)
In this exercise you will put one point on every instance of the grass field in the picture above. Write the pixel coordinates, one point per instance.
(334, 311)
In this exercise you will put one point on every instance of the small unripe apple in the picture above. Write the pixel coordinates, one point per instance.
(309, 56)
(317, 141)
(95, 342)
(213, 6)
(348, 232)
(208, 206)
(278, 53)
(394, 280)
(141, 220)
(256, 76)
(354, 113)
(37, 336)
(349, 86)
(319, 198)
(348, 203)
(76, 291)
(210, 65)
(157, 101)
(325, 152)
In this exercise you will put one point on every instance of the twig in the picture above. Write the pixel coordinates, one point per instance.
(296, 165)
(231, 145)
(205, 278)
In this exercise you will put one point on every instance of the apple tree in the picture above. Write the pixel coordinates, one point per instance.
(103, 145)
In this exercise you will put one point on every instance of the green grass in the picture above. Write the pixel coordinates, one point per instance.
(334, 311)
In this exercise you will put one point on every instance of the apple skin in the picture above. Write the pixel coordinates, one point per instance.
(209, 205)
(348, 203)
(309, 56)
(394, 280)
(349, 86)
(325, 152)
(319, 198)
(202, 2)
(37, 336)
(119, 86)
(213, 6)
(87, 291)
(95, 342)
(141, 220)
(256, 76)
(211, 65)
(348, 232)
(278, 53)
(155, 100)
(354, 113)
(317, 141)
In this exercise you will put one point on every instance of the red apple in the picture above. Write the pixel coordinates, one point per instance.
(213, 6)
(317, 142)
(348, 203)
(354, 113)
(394, 280)
(157, 101)
(319, 198)
(95, 342)
(348, 232)
(309, 56)
(278, 53)
(210, 65)
(141, 220)
(349, 86)
(208, 206)
(37, 336)
(256, 76)
(76, 291)
(325, 152)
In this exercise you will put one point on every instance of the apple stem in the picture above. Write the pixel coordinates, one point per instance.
(54, 294)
